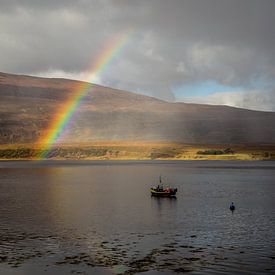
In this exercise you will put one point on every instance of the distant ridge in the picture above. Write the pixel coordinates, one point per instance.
(28, 104)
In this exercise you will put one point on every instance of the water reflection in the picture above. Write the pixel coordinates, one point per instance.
(167, 204)
(103, 215)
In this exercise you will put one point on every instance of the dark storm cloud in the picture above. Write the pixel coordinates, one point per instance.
(174, 42)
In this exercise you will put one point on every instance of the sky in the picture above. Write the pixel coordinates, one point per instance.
(201, 51)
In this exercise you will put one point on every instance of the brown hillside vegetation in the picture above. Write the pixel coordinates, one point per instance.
(28, 105)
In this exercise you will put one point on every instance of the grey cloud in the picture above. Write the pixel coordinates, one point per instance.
(175, 42)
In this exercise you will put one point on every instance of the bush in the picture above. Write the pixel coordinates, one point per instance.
(211, 152)
(163, 153)
(17, 153)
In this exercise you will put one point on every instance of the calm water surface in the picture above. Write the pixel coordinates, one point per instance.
(88, 217)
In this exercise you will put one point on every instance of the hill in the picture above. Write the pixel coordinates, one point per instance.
(28, 105)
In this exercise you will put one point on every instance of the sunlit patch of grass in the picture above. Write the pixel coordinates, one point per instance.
(140, 151)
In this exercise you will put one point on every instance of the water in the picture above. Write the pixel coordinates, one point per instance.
(88, 217)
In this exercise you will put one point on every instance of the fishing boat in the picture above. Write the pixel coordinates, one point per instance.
(160, 191)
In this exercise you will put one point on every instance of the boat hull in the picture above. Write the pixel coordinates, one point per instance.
(162, 193)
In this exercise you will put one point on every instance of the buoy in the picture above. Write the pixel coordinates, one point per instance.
(232, 207)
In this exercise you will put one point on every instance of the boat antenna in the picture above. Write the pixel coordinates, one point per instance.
(159, 179)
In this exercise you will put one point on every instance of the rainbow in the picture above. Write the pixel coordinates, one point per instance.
(65, 114)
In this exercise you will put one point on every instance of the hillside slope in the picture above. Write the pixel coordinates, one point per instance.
(29, 104)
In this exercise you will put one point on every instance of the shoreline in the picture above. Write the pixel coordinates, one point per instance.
(137, 151)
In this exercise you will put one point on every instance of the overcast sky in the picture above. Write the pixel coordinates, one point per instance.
(205, 51)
